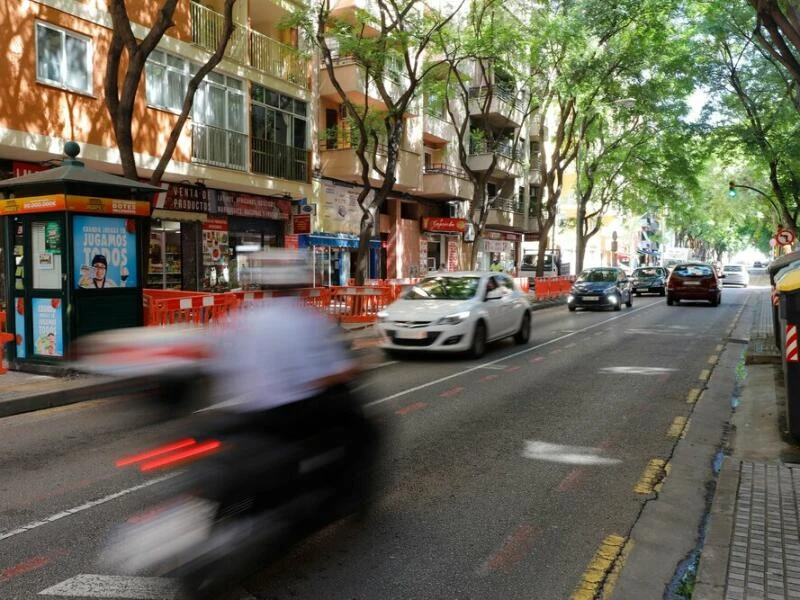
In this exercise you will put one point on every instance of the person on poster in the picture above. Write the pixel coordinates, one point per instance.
(46, 344)
(96, 276)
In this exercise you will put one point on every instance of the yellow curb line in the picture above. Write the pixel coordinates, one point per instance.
(712, 360)
(599, 567)
(676, 429)
(653, 473)
(705, 375)
(693, 395)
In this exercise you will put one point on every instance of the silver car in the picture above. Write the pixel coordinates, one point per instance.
(735, 275)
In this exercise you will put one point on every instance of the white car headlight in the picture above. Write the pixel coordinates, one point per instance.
(453, 319)
(382, 315)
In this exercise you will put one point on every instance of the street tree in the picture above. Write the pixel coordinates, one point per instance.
(777, 31)
(125, 64)
(753, 105)
(388, 43)
(489, 87)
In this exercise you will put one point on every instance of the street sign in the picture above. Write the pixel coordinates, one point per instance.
(785, 237)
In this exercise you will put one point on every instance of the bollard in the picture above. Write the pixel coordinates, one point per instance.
(788, 288)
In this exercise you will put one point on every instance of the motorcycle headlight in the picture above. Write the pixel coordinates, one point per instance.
(453, 319)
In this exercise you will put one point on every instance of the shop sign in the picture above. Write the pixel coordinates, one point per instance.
(34, 204)
(20, 168)
(301, 224)
(248, 205)
(452, 255)
(215, 241)
(181, 197)
(108, 206)
(340, 212)
(444, 225)
(291, 241)
(105, 252)
(48, 330)
(497, 235)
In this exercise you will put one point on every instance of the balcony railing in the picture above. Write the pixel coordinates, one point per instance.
(392, 71)
(505, 148)
(249, 47)
(510, 96)
(513, 205)
(347, 140)
(219, 147)
(442, 169)
(277, 160)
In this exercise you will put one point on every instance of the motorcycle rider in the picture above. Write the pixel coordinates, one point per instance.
(281, 371)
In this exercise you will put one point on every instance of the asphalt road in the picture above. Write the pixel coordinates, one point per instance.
(503, 477)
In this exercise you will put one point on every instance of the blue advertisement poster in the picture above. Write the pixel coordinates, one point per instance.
(48, 333)
(19, 326)
(105, 252)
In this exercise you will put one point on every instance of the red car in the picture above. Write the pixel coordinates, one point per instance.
(694, 281)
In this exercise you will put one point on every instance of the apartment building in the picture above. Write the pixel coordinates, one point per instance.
(243, 160)
(256, 165)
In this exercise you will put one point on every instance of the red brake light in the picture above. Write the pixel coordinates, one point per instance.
(170, 454)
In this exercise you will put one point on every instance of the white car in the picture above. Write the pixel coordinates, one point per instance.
(735, 275)
(451, 312)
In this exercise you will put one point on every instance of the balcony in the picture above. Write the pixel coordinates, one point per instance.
(507, 212)
(506, 108)
(436, 129)
(249, 47)
(534, 125)
(352, 77)
(507, 164)
(535, 174)
(445, 182)
(347, 11)
(339, 161)
(277, 160)
(219, 147)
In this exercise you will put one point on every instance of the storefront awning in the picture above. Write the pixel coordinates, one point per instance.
(333, 241)
(178, 215)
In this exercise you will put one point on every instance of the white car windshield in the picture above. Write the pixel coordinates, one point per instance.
(443, 288)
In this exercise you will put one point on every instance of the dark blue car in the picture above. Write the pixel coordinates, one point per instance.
(650, 280)
(601, 287)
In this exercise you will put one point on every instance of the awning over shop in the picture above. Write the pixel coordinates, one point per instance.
(333, 240)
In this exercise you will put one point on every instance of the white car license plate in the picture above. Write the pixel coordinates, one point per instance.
(591, 298)
(414, 334)
(691, 283)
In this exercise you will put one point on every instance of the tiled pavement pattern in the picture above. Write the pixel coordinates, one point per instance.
(764, 562)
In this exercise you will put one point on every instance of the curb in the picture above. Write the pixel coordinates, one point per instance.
(65, 396)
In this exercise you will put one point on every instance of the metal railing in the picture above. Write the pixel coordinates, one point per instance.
(219, 147)
(507, 204)
(505, 148)
(249, 47)
(346, 140)
(443, 169)
(278, 160)
(508, 95)
(278, 60)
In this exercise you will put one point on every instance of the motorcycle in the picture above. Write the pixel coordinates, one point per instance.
(242, 499)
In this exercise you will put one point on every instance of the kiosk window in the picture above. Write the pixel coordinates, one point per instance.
(46, 250)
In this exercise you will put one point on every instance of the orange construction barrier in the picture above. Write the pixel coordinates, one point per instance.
(5, 338)
(209, 309)
(358, 304)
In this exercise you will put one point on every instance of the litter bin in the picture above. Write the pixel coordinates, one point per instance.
(788, 287)
(774, 268)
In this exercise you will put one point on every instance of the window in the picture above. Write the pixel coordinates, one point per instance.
(279, 134)
(219, 131)
(63, 58)
(167, 79)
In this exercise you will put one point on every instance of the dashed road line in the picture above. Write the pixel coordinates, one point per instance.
(705, 375)
(451, 392)
(677, 428)
(693, 395)
(410, 408)
(712, 360)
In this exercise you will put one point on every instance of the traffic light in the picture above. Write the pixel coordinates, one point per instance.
(732, 189)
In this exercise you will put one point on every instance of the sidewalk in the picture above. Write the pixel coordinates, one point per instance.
(752, 546)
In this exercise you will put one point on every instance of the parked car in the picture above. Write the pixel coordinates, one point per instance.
(650, 280)
(736, 275)
(601, 287)
(459, 311)
(694, 281)
(759, 264)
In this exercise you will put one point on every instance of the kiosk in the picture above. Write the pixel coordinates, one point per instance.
(73, 252)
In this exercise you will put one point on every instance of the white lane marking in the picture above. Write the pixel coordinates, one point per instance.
(570, 455)
(383, 364)
(85, 506)
(422, 386)
(637, 370)
(496, 367)
(115, 586)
